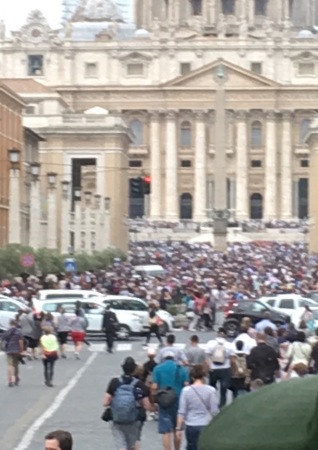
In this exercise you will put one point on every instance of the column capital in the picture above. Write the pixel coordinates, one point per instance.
(271, 115)
(155, 114)
(171, 115)
(240, 115)
(200, 114)
(287, 115)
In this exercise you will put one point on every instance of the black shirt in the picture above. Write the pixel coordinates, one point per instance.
(148, 368)
(263, 362)
(141, 391)
(109, 321)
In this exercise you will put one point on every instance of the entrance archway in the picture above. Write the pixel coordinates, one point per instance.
(186, 206)
(256, 206)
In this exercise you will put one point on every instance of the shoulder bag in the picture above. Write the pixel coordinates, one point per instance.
(202, 400)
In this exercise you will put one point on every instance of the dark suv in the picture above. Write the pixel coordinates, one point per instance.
(253, 310)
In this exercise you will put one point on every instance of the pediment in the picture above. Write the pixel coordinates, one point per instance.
(236, 77)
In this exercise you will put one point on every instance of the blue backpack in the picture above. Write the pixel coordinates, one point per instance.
(124, 404)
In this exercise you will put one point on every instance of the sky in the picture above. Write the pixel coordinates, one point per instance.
(51, 9)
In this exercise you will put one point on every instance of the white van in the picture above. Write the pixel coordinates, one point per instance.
(152, 270)
(78, 294)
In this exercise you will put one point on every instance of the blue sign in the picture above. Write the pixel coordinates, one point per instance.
(70, 265)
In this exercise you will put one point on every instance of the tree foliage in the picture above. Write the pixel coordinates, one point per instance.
(49, 261)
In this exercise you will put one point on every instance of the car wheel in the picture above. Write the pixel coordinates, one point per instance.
(123, 332)
(231, 328)
(163, 329)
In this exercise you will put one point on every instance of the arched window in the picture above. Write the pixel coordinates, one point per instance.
(186, 135)
(304, 127)
(256, 206)
(137, 129)
(186, 206)
(197, 7)
(257, 134)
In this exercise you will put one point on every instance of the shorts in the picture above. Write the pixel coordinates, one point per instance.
(78, 336)
(167, 420)
(13, 360)
(31, 343)
(125, 435)
(62, 337)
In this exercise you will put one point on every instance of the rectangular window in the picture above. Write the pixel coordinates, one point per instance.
(228, 7)
(35, 65)
(260, 7)
(29, 110)
(185, 68)
(135, 163)
(91, 70)
(186, 163)
(305, 68)
(304, 163)
(256, 163)
(135, 69)
(256, 67)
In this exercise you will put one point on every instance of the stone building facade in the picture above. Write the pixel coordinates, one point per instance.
(160, 79)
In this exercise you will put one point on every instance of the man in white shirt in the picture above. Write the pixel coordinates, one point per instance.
(220, 353)
(248, 341)
(264, 323)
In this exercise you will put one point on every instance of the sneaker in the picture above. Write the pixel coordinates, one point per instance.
(17, 381)
(77, 356)
(63, 356)
(11, 384)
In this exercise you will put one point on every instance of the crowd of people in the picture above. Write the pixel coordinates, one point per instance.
(187, 388)
(249, 270)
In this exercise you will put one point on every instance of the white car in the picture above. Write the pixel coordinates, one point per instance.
(288, 303)
(130, 323)
(9, 308)
(78, 294)
(121, 303)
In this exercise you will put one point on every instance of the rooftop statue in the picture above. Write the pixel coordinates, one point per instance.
(97, 11)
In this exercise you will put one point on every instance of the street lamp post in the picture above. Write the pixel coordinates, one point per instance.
(78, 220)
(51, 211)
(65, 223)
(14, 193)
(35, 205)
(220, 216)
(106, 240)
(88, 228)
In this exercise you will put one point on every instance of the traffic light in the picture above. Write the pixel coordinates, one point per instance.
(147, 185)
(136, 187)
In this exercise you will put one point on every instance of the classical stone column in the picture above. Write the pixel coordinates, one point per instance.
(65, 219)
(243, 10)
(35, 207)
(251, 14)
(14, 206)
(88, 228)
(171, 213)
(271, 168)
(99, 223)
(155, 166)
(107, 230)
(286, 167)
(78, 220)
(200, 168)
(51, 212)
(241, 167)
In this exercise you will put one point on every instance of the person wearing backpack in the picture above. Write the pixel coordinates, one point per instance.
(220, 353)
(124, 395)
(239, 370)
(169, 378)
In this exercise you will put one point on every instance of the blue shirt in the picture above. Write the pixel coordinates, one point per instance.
(170, 374)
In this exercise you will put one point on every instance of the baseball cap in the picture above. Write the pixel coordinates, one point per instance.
(169, 354)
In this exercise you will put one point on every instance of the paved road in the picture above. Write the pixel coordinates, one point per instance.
(75, 403)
